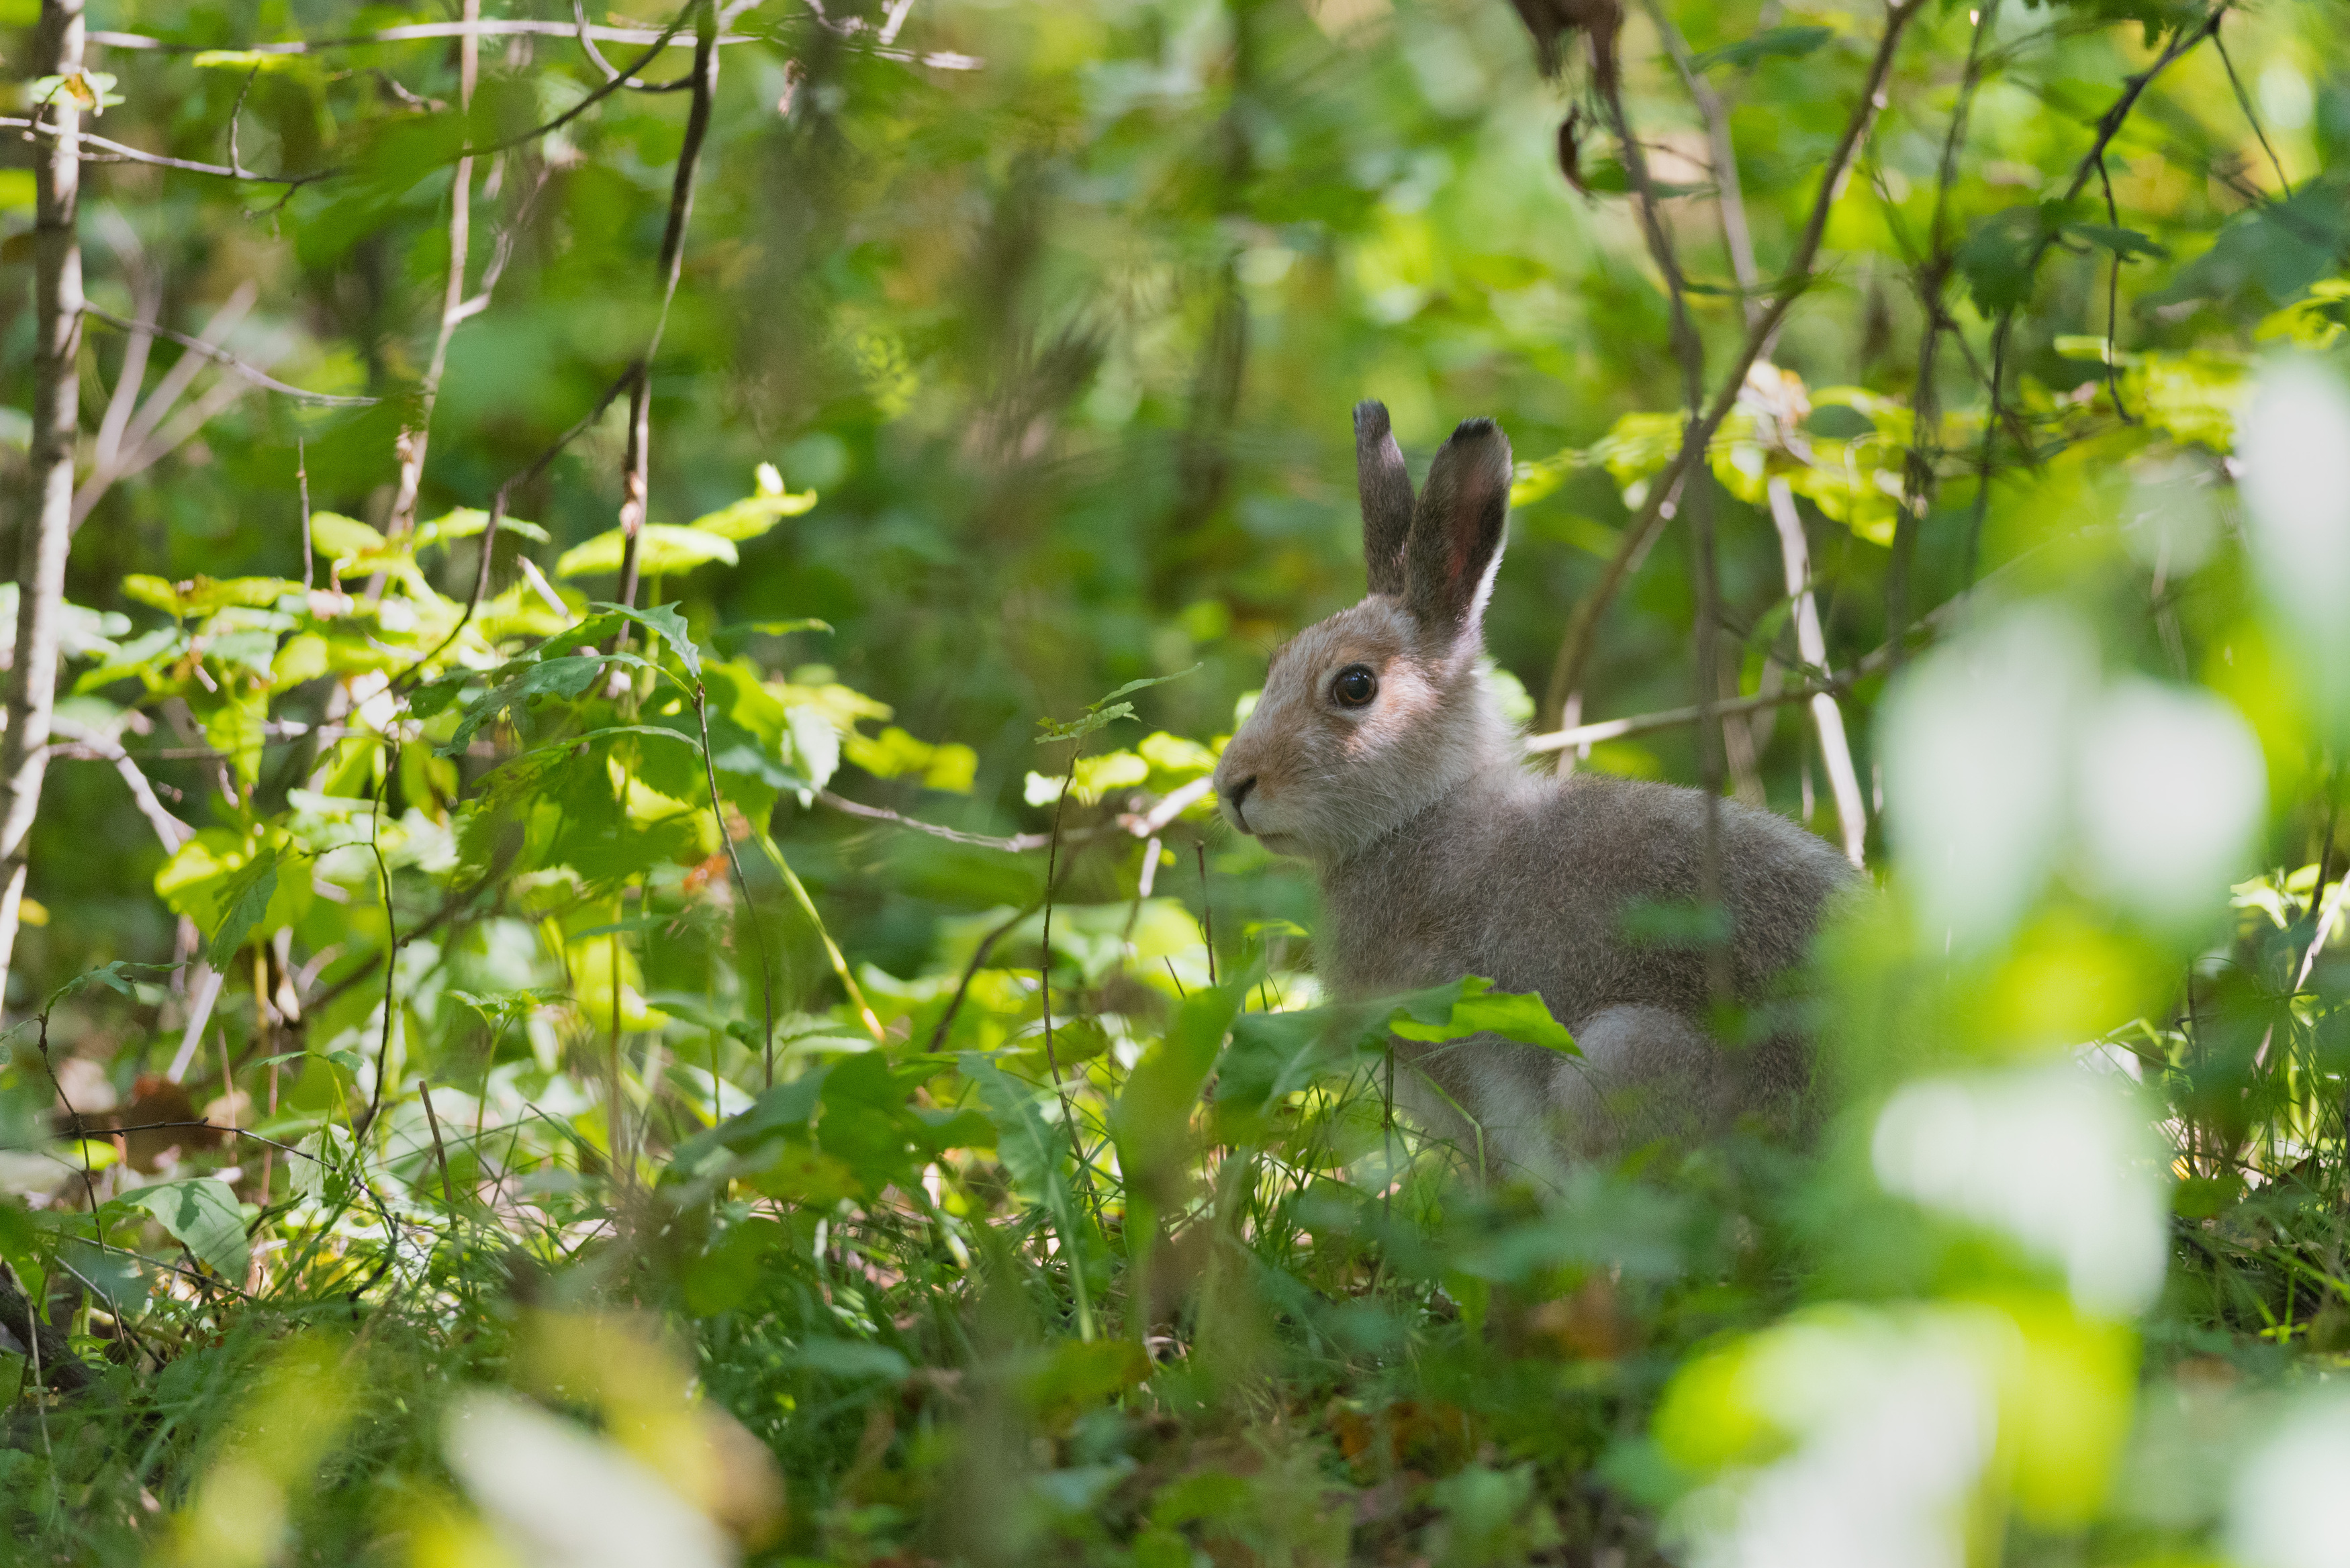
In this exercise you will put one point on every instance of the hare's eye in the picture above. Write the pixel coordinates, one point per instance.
(1355, 686)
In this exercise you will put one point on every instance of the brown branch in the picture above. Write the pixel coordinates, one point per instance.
(1689, 350)
(51, 1352)
(1795, 546)
(1920, 472)
(48, 532)
(1575, 646)
(2109, 125)
(498, 502)
(636, 485)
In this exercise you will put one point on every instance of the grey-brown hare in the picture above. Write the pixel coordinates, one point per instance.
(1378, 754)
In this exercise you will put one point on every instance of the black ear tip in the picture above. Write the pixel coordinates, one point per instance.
(1476, 430)
(1370, 417)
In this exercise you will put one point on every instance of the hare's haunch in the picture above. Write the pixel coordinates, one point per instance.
(1378, 755)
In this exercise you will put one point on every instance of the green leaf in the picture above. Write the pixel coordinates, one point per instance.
(341, 538)
(2126, 243)
(1470, 1005)
(1998, 254)
(1779, 43)
(671, 626)
(204, 1216)
(469, 522)
(245, 898)
(754, 515)
(1131, 687)
(661, 548)
(1078, 728)
(1034, 1153)
(566, 676)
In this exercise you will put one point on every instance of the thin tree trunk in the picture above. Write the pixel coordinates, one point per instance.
(44, 535)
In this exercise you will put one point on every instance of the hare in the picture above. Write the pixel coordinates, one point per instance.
(1378, 755)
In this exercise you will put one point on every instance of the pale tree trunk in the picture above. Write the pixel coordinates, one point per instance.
(46, 534)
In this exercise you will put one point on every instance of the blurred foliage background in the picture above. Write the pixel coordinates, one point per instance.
(804, 1117)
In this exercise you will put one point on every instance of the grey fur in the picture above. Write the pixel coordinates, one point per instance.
(1384, 486)
(1440, 854)
(1456, 529)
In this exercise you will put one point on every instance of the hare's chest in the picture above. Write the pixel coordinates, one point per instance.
(1399, 928)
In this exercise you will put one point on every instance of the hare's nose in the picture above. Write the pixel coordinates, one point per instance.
(1239, 791)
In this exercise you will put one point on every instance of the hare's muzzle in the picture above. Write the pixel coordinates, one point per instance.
(1233, 796)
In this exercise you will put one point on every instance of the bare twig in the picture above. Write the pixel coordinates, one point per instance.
(2109, 125)
(412, 441)
(48, 532)
(118, 152)
(1144, 825)
(1673, 718)
(1689, 350)
(1932, 276)
(1795, 548)
(1575, 646)
(105, 748)
(586, 36)
(413, 32)
(2244, 102)
(636, 489)
(227, 360)
(498, 502)
(742, 885)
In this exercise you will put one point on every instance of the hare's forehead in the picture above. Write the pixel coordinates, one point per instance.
(1373, 632)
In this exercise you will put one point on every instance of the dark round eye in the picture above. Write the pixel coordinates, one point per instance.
(1355, 686)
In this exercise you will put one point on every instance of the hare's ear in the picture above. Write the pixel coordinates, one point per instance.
(1386, 497)
(1456, 533)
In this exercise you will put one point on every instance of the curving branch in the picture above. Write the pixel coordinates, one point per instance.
(2109, 125)
(227, 361)
(1575, 645)
(635, 495)
(1795, 546)
(410, 443)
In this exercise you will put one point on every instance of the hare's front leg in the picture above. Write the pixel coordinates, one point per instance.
(1646, 1072)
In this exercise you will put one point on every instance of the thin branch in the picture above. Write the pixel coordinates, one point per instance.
(119, 152)
(587, 37)
(1674, 717)
(2244, 102)
(636, 483)
(2109, 125)
(742, 886)
(1794, 547)
(228, 361)
(1146, 825)
(1575, 646)
(491, 27)
(1689, 350)
(411, 443)
(105, 748)
(498, 502)
(1920, 470)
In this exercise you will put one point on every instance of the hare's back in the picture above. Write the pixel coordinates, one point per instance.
(1611, 858)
